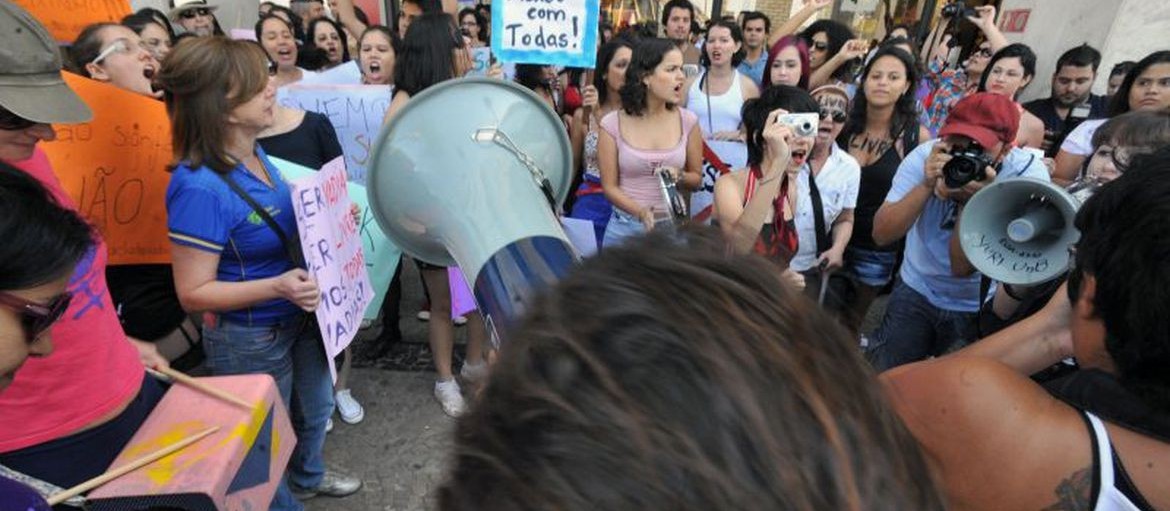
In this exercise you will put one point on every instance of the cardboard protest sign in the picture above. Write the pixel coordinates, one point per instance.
(356, 112)
(115, 168)
(333, 251)
(66, 18)
(551, 32)
(380, 253)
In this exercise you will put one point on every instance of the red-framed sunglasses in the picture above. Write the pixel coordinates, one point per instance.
(34, 317)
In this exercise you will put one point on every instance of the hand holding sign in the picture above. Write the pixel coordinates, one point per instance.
(551, 32)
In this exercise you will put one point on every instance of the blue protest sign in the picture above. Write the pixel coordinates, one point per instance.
(550, 32)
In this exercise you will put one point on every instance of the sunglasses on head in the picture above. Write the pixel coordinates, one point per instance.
(36, 318)
(202, 11)
(837, 115)
(12, 122)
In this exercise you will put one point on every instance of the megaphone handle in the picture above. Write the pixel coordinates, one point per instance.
(546, 187)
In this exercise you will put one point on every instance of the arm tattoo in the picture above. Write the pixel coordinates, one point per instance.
(1075, 492)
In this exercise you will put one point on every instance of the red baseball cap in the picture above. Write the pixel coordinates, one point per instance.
(984, 117)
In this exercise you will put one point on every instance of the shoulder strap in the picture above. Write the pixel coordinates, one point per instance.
(293, 251)
(822, 231)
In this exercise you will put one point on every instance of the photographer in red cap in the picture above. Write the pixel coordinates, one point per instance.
(935, 303)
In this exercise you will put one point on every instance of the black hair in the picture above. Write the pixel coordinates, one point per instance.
(1080, 56)
(87, 47)
(158, 17)
(838, 34)
(1121, 68)
(757, 15)
(139, 20)
(644, 30)
(1125, 245)
(479, 20)
(736, 35)
(602, 27)
(648, 53)
(531, 76)
(1120, 103)
(43, 240)
(361, 15)
(395, 41)
(427, 56)
(903, 26)
(678, 4)
(905, 109)
(312, 39)
(294, 19)
(755, 114)
(1016, 50)
(605, 56)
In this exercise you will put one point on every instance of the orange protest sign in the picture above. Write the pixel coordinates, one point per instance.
(66, 18)
(114, 167)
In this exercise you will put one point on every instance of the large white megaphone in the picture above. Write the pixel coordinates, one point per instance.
(468, 173)
(1019, 231)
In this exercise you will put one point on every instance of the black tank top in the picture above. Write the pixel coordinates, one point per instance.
(876, 180)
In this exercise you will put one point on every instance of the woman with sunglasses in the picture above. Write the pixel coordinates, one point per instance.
(433, 51)
(109, 52)
(65, 418)
(882, 128)
(231, 263)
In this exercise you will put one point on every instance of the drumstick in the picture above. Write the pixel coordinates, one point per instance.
(200, 386)
(110, 475)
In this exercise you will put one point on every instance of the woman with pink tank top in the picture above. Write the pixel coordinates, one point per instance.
(648, 133)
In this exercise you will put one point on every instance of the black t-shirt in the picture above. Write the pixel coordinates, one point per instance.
(145, 299)
(1054, 125)
(312, 144)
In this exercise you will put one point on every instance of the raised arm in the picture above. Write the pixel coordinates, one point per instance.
(346, 16)
(914, 184)
(793, 23)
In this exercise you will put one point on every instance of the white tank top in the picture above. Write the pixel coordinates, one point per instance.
(1109, 497)
(724, 110)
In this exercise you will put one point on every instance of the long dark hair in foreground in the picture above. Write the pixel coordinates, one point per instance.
(697, 381)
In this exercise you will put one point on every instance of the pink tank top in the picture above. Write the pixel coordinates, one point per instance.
(93, 368)
(636, 166)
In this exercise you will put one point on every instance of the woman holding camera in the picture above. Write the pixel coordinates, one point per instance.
(650, 134)
(756, 206)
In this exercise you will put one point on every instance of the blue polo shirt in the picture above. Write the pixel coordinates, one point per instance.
(204, 213)
(927, 266)
(755, 70)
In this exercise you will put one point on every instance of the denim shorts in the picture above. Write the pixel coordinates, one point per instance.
(871, 267)
(621, 226)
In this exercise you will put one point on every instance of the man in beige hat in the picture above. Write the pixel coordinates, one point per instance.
(195, 17)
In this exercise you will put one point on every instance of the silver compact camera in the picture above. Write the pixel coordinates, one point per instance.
(803, 125)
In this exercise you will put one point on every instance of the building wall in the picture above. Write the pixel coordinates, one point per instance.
(1120, 29)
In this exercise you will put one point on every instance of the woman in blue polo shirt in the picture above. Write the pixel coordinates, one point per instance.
(228, 261)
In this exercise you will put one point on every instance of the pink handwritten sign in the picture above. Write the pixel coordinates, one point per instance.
(332, 246)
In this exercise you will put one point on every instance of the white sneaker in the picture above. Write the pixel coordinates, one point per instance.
(350, 410)
(449, 396)
(459, 320)
(474, 373)
(329, 425)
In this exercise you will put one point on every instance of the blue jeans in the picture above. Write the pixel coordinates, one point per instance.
(621, 226)
(293, 355)
(913, 330)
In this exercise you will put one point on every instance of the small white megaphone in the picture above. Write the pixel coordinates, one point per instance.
(469, 172)
(1019, 231)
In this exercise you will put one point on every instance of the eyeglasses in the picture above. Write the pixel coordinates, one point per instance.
(469, 24)
(838, 116)
(191, 14)
(120, 46)
(819, 46)
(36, 318)
(12, 122)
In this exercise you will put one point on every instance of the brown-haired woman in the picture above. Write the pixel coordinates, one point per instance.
(614, 394)
(228, 262)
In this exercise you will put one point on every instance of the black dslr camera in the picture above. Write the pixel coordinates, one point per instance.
(967, 164)
(958, 9)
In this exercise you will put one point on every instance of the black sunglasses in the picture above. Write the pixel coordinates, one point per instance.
(12, 122)
(820, 46)
(34, 317)
(838, 116)
(202, 11)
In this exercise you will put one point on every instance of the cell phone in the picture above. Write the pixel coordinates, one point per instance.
(690, 70)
